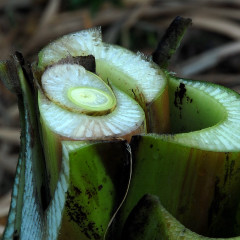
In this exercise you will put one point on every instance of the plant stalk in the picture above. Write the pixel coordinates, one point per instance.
(171, 41)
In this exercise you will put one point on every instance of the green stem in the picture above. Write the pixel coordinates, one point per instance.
(171, 41)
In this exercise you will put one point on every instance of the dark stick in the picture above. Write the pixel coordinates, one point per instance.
(171, 41)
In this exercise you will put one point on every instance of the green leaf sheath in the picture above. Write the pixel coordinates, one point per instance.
(103, 174)
(200, 188)
(144, 221)
(76, 210)
(26, 206)
(150, 220)
(98, 181)
(195, 170)
(53, 156)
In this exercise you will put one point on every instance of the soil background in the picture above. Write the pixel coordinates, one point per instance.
(210, 50)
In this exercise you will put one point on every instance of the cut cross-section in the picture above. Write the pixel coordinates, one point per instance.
(133, 73)
(205, 116)
(74, 88)
(72, 93)
(90, 98)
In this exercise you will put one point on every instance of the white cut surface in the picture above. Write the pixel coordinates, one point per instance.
(128, 116)
(57, 80)
(81, 43)
(142, 72)
(225, 135)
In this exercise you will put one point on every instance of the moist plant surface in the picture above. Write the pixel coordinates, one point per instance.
(102, 149)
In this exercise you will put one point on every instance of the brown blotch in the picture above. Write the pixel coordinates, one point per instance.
(77, 190)
(75, 211)
(79, 215)
(91, 193)
(179, 95)
(229, 167)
